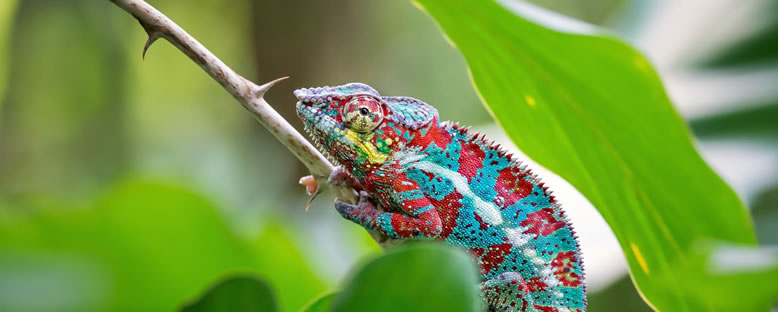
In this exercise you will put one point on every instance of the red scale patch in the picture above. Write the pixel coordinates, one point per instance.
(544, 308)
(470, 159)
(448, 211)
(400, 187)
(542, 222)
(511, 187)
(492, 256)
(437, 135)
(536, 284)
(564, 263)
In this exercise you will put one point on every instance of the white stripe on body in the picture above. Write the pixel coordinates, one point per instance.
(488, 211)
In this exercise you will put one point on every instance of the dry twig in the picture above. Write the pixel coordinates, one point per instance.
(249, 94)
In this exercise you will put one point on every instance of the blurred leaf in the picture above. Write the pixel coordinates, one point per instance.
(759, 47)
(279, 260)
(765, 212)
(753, 122)
(321, 304)
(590, 108)
(241, 293)
(619, 296)
(731, 277)
(419, 277)
(157, 242)
(7, 10)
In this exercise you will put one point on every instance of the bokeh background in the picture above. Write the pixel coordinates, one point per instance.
(130, 184)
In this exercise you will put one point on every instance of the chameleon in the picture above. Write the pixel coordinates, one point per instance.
(441, 181)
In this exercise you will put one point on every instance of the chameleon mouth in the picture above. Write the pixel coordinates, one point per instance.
(318, 125)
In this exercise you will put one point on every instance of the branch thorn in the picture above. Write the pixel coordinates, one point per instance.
(153, 36)
(261, 90)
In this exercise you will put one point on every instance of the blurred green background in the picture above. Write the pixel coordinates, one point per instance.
(129, 184)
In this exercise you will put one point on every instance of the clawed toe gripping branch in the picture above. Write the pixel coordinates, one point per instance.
(249, 94)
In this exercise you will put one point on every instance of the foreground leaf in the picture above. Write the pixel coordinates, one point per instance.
(321, 304)
(590, 108)
(421, 277)
(143, 247)
(241, 293)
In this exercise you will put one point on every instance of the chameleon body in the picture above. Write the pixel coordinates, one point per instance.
(437, 180)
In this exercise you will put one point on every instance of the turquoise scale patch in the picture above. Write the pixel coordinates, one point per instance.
(410, 111)
(448, 158)
(468, 232)
(514, 214)
(483, 184)
(384, 222)
(432, 188)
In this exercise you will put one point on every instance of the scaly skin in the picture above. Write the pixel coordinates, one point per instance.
(439, 181)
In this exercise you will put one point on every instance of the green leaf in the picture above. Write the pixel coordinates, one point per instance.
(240, 293)
(619, 296)
(420, 277)
(321, 304)
(142, 247)
(590, 108)
(280, 261)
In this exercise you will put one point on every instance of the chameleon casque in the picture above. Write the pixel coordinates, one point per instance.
(437, 180)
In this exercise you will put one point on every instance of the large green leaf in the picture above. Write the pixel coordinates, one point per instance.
(591, 108)
(240, 293)
(420, 277)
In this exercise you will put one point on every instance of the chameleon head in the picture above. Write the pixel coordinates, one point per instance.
(358, 128)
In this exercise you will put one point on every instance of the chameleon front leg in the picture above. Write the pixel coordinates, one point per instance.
(418, 219)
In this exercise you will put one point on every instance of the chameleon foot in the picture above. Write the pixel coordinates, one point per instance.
(341, 178)
(347, 209)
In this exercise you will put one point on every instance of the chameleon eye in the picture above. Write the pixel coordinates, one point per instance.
(363, 113)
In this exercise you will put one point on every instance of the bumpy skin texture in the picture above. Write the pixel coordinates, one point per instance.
(439, 181)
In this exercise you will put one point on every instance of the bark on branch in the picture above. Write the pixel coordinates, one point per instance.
(249, 94)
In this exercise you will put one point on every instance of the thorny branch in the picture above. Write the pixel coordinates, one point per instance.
(249, 94)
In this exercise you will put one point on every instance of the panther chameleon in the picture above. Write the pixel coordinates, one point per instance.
(440, 181)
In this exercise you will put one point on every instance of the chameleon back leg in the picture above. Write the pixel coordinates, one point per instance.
(507, 291)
